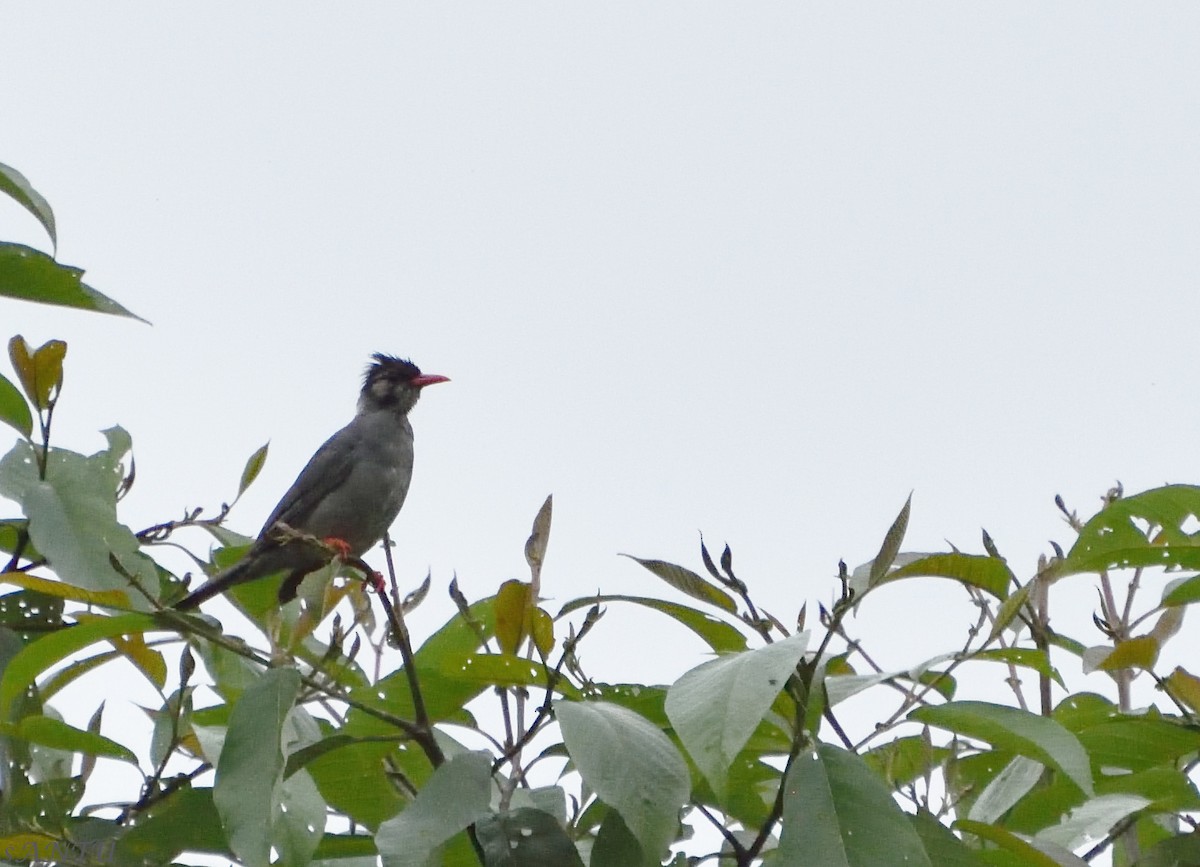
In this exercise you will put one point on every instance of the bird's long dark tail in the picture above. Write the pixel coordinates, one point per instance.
(235, 574)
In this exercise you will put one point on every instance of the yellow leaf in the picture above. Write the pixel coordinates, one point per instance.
(1185, 687)
(149, 662)
(541, 628)
(1140, 652)
(31, 847)
(22, 362)
(40, 372)
(47, 364)
(107, 598)
(512, 604)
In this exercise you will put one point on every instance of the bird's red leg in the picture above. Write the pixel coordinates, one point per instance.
(340, 546)
(373, 579)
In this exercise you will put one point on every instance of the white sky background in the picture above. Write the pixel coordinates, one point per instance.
(754, 270)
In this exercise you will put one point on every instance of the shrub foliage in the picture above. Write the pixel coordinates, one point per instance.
(328, 734)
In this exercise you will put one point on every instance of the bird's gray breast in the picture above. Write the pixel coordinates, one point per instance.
(374, 483)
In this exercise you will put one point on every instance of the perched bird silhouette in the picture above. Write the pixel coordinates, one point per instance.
(347, 495)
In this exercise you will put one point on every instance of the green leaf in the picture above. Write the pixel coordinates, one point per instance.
(716, 633)
(631, 765)
(369, 796)
(716, 706)
(1167, 789)
(1025, 657)
(891, 545)
(1138, 743)
(525, 838)
(25, 616)
(687, 581)
(56, 734)
(615, 845)
(1142, 530)
(456, 796)
(904, 760)
(494, 669)
(73, 517)
(46, 805)
(1184, 593)
(185, 821)
(645, 701)
(352, 779)
(301, 820)
(943, 848)
(1008, 787)
(1011, 608)
(988, 574)
(30, 275)
(14, 184)
(253, 467)
(250, 768)
(11, 531)
(14, 411)
(1009, 842)
(840, 687)
(1174, 852)
(1008, 728)
(346, 850)
(39, 655)
(1082, 710)
(1092, 820)
(837, 813)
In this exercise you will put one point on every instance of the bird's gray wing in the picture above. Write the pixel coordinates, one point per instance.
(324, 473)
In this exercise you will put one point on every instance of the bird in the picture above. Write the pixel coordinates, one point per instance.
(347, 495)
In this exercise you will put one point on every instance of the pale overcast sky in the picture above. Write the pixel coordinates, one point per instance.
(757, 270)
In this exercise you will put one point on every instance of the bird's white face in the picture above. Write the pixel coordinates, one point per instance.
(389, 390)
(384, 389)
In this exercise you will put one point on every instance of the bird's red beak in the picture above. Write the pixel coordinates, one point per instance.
(428, 379)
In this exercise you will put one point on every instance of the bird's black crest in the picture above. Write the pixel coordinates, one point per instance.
(390, 366)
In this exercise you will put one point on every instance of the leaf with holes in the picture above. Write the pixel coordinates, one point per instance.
(1153, 528)
(73, 517)
(525, 838)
